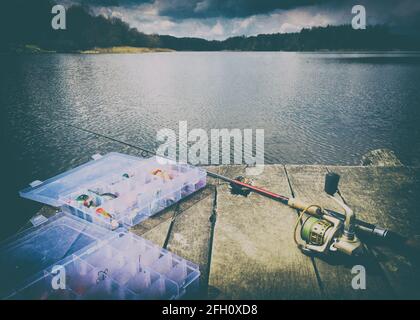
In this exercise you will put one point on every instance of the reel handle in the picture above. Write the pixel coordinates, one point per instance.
(331, 183)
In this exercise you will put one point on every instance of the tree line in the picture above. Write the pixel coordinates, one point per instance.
(24, 22)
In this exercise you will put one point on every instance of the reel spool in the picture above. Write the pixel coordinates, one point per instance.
(315, 231)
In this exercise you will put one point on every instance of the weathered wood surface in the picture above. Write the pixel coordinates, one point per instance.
(190, 234)
(388, 197)
(244, 245)
(254, 256)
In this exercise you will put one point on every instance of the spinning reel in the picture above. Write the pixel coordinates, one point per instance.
(316, 231)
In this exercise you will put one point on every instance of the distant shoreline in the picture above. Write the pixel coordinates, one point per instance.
(33, 49)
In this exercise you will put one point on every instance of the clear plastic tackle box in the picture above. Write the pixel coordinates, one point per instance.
(98, 264)
(118, 190)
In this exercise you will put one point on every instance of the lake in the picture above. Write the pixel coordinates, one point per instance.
(327, 108)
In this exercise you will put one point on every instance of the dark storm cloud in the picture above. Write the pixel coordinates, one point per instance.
(112, 3)
(102, 3)
(182, 9)
(227, 8)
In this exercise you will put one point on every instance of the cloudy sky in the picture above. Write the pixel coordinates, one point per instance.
(220, 19)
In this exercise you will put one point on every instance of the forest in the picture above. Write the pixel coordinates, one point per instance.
(24, 23)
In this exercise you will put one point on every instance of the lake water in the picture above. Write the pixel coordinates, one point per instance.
(328, 108)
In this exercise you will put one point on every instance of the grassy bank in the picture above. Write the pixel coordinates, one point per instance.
(124, 50)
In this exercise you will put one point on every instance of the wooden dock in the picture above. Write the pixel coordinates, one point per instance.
(245, 247)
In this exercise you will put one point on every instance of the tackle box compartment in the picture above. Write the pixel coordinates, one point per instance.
(98, 264)
(118, 190)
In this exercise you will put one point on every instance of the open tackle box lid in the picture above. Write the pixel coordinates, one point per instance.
(25, 256)
(97, 264)
(118, 190)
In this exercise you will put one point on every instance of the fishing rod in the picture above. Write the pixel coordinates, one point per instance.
(317, 230)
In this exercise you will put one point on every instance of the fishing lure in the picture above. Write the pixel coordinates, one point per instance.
(163, 174)
(104, 213)
(114, 223)
(85, 199)
(106, 195)
(88, 203)
(82, 198)
(109, 195)
(102, 275)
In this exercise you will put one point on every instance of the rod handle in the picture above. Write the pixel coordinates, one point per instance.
(300, 205)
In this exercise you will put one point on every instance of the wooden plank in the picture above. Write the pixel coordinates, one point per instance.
(190, 235)
(156, 228)
(307, 183)
(191, 232)
(388, 197)
(159, 234)
(254, 256)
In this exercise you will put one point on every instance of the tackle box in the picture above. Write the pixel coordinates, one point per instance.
(117, 190)
(98, 264)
